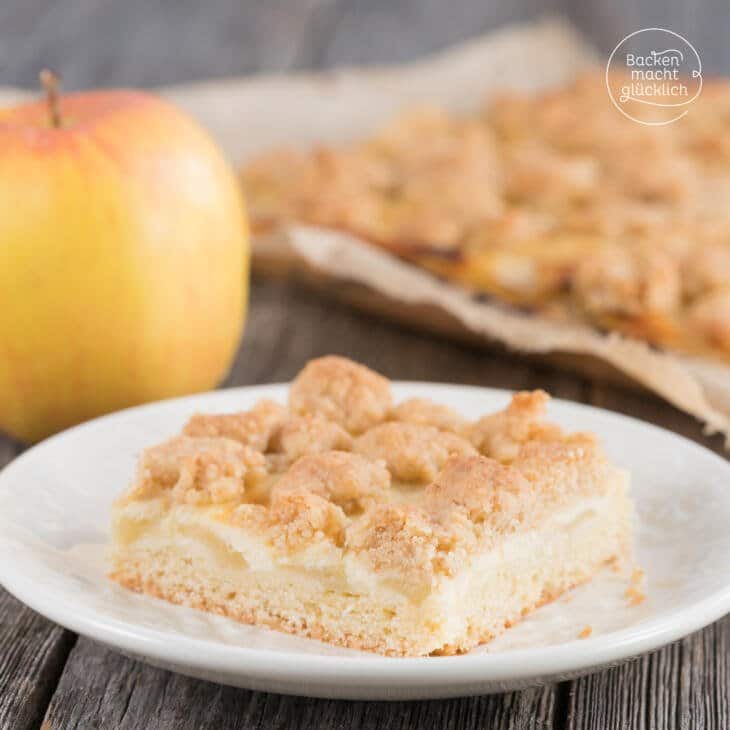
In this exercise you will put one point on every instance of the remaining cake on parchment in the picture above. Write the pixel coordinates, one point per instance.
(552, 201)
(402, 529)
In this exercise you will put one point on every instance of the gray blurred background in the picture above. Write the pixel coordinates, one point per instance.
(144, 43)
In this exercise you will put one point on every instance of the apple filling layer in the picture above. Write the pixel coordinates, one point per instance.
(403, 529)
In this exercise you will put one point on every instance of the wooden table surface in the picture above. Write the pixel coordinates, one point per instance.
(52, 678)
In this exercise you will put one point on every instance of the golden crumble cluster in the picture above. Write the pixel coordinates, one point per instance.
(554, 202)
(197, 470)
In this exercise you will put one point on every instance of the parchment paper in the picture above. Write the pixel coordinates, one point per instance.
(250, 115)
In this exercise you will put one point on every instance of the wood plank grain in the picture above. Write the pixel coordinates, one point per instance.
(9, 449)
(32, 655)
(101, 689)
(32, 650)
(685, 685)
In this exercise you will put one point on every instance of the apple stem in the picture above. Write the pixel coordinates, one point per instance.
(50, 82)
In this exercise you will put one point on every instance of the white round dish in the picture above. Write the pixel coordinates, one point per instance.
(54, 513)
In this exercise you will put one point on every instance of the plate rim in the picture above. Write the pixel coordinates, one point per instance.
(365, 669)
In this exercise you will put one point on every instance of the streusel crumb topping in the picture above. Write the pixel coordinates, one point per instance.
(349, 480)
(294, 520)
(299, 517)
(305, 435)
(342, 391)
(427, 413)
(398, 542)
(409, 490)
(487, 492)
(198, 470)
(501, 435)
(412, 452)
(253, 428)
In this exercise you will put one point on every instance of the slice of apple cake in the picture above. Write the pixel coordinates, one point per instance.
(402, 529)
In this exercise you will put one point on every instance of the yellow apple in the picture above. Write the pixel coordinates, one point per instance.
(123, 258)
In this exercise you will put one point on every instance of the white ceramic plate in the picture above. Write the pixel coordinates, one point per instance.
(54, 511)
